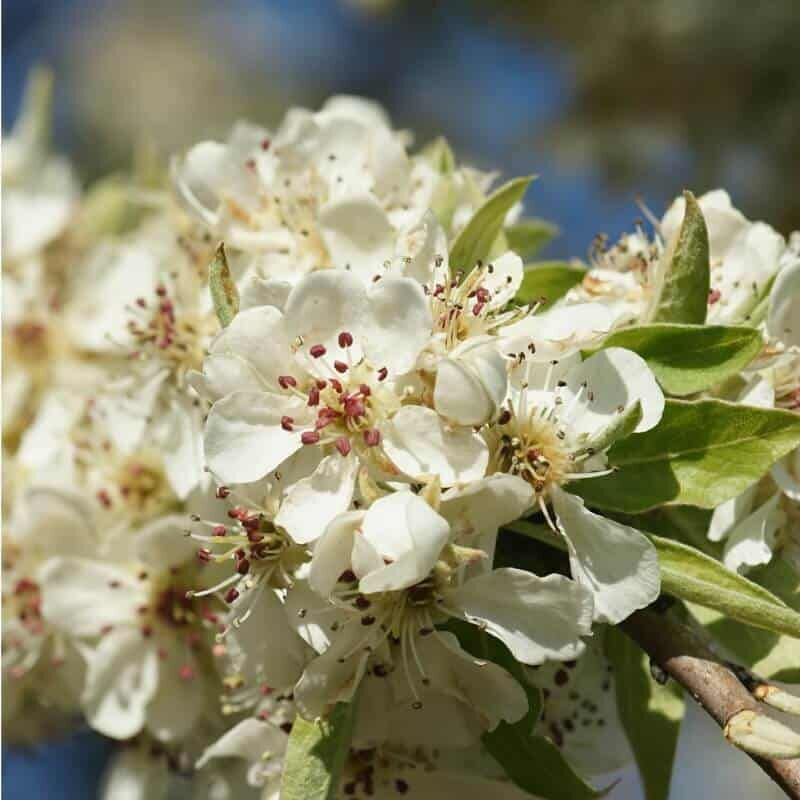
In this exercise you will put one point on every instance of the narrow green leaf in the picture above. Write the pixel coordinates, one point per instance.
(690, 358)
(223, 289)
(684, 280)
(650, 713)
(476, 240)
(691, 575)
(316, 753)
(548, 281)
(528, 236)
(701, 453)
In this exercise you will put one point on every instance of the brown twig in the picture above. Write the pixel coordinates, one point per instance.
(683, 655)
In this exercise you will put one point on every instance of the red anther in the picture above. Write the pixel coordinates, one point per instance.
(240, 553)
(222, 492)
(250, 163)
(186, 672)
(251, 523)
(166, 307)
(482, 293)
(219, 530)
(342, 444)
(104, 497)
(337, 386)
(254, 536)
(345, 339)
(265, 143)
(340, 366)
(263, 715)
(147, 631)
(372, 437)
(161, 290)
(382, 373)
(438, 289)
(505, 417)
(714, 296)
(477, 308)
(287, 423)
(243, 567)
(317, 350)
(325, 416)
(25, 585)
(354, 406)
(321, 384)
(285, 381)
(231, 594)
(141, 302)
(365, 390)
(238, 513)
(309, 437)
(204, 555)
(313, 396)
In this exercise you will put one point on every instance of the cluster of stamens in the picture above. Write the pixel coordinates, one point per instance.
(159, 332)
(349, 404)
(460, 306)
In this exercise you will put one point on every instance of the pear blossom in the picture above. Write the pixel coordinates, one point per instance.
(333, 187)
(394, 573)
(143, 635)
(561, 417)
(326, 374)
(744, 258)
(764, 518)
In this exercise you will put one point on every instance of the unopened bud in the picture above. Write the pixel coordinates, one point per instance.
(762, 735)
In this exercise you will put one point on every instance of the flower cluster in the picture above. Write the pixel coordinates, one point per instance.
(222, 523)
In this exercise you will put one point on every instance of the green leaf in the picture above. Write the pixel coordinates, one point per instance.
(701, 453)
(682, 295)
(650, 713)
(316, 753)
(223, 289)
(690, 358)
(528, 236)
(476, 240)
(533, 763)
(691, 575)
(768, 654)
(548, 281)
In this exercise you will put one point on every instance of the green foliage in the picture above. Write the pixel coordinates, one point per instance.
(691, 575)
(223, 289)
(690, 358)
(684, 280)
(649, 712)
(316, 754)
(528, 236)
(701, 453)
(548, 281)
(476, 241)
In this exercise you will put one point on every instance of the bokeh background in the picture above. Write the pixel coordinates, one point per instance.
(609, 102)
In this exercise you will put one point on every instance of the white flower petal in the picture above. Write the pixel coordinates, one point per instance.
(729, 513)
(121, 680)
(536, 618)
(358, 234)
(408, 533)
(258, 291)
(472, 383)
(786, 473)
(66, 516)
(323, 305)
(750, 542)
(163, 543)
(420, 444)
(244, 439)
(257, 336)
(616, 563)
(783, 318)
(249, 739)
(82, 597)
(179, 701)
(135, 775)
(398, 325)
(505, 279)
(608, 383)
(333, 552)
(314, 501)
(177, 431)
